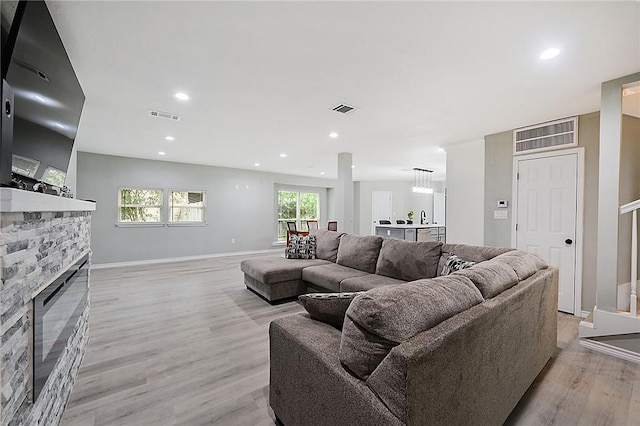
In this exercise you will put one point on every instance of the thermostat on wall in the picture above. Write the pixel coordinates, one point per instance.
(503, 204)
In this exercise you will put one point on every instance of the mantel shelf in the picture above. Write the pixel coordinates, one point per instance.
(16, 200)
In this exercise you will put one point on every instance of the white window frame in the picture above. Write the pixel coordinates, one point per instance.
(160, 221)
(297, 219)
(202, 222)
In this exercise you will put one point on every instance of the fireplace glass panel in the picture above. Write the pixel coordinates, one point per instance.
(56, 311)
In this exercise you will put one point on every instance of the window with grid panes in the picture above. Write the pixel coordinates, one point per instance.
(139, 205)
(186, 206)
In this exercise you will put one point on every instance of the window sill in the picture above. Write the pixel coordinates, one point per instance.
(159, 225)
(139, 225)
(182, 224)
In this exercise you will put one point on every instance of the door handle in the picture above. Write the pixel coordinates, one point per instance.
(568, 241)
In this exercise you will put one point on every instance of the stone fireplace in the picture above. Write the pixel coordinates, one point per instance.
(42, 239)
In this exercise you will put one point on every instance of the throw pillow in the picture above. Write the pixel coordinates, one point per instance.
(329, 308)
(301, 247)
(454, 263)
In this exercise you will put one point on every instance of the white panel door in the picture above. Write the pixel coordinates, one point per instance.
(546, 217)
(380, 207)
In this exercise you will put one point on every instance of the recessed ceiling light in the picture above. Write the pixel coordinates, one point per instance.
(440, 149)
(321, 173)
(333, 135)
(549, 53)
(256, 164)
(161, 153)
(353, 166)
(182, 96)
(170, 138)
(283, 155)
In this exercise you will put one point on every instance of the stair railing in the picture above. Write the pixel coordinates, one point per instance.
(633, 207)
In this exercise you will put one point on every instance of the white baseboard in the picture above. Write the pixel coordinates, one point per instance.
(610, 350)
(584, 314)
(179, 259)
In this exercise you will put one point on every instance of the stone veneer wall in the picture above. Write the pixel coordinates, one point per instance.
(35, 248)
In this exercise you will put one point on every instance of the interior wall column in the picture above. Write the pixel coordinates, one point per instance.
(344, 193)
(609, 191)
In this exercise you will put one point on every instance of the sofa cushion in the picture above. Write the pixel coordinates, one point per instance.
(408, 260)
(329, 308)
(367, 282)
(329, 275)
(491, 277)
(359, 252)
(327, 243)
(470, 253)
(523, 263)
(275, 269)
(301, 247)
(384, 317)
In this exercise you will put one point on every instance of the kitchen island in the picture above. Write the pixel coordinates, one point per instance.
(430, 232)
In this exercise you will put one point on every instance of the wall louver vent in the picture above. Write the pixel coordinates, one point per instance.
(546, 136)
(343, 108)
(167, 115)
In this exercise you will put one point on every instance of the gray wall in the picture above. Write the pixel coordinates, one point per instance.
(498, 185)
(589, 138)
(240, 206)
(498, 160)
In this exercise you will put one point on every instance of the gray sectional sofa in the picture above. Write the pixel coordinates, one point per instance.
(433, 350)
(345, 262)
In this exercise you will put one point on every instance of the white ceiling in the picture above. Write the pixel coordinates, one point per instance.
(263, 77)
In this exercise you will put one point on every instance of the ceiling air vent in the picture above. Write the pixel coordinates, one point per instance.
(546, 136)
(167, 115)
(343, 108)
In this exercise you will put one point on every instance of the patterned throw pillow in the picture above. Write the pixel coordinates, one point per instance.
(329, 308)
(454, 263)
(301, 247)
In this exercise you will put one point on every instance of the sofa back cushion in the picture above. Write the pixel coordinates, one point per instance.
(408, 260)
(380, 319)
(523, 263)
(359, 252)
(491, 277)
(327, 243)
(469, 254)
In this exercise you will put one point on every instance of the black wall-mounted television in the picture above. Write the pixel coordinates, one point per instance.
(42, 101)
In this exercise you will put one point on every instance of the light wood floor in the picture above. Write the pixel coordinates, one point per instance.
(187, 344)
